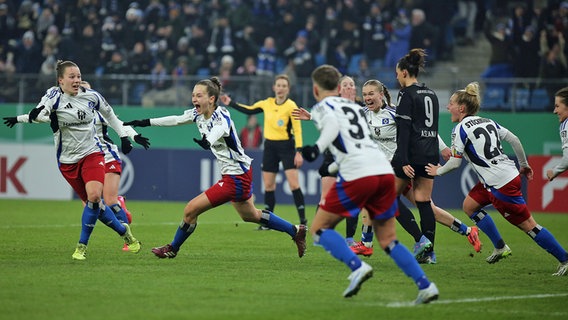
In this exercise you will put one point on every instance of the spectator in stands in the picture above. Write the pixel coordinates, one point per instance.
(527, 58)
(265, 67)
(300, 55)
(251, 134)
(501, 59)
(398, 43)
(28, 54)
(423, 34)
(113, 88)
(375, 35)
(554, 65)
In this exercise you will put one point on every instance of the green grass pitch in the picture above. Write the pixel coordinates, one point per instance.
(227, 270)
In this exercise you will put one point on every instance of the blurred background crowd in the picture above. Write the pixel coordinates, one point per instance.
(160, 43)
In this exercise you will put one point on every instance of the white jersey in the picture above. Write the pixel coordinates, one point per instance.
(478, 140)
(221, 134)
(383, 129)
(344, 130)
(76, 136)
(563, 165)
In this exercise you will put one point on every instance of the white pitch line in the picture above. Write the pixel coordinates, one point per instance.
(486, 299)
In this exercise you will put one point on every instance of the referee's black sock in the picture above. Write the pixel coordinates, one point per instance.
(300, 205)
(269, 200)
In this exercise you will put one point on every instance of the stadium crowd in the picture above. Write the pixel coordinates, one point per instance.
(260, 38)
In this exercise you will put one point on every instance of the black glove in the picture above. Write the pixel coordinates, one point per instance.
(310, 153)
(203, 143)
(10, 121)
(143, 141)
(138, 123)
(34, 113)
(126, 145)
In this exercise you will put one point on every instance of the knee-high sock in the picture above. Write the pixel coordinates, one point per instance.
(351, 226)
(548, 242)
(407, 263)
(300, 205)
(119, 213)
(487, 225)
(334, 243)
(88, 221)
(427, 220)
(107, 216)
(182, 233)
(269, 200)
(367, 233)
(272, 221)
(459, 227)
(407, 221)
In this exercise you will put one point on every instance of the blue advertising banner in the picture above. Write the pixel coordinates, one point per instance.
(180, 175)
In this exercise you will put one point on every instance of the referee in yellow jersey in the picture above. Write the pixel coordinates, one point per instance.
(282, 141)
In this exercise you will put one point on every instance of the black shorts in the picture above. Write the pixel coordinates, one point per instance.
(276, 151)
(419, 171)
(327, 160)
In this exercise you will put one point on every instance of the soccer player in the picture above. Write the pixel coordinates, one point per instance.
(417, 144)
(113, 163)
(71, 111)
(561, 110)
(220, 136)
(479, 141)
(381, 118)
(282, 142)
(343, 129)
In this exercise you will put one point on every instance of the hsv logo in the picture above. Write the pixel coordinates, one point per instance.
(544, 195)
(9, 174)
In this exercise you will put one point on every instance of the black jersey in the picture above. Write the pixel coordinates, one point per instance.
(417, 126)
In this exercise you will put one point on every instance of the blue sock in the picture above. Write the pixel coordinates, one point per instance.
(546, 240)
(407, 263)
(272, 221)
(183, 232)
(367, 234)
(119, 213)
(335, 244)
(486, 224)
(459, 227)
(107, 217)
(88, 221)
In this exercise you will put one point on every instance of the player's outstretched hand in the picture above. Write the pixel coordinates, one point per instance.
(301, 114)
(10, 121)
(203, 143)
(138, 123)
(310, 153)
(126, 146)
(143, 141)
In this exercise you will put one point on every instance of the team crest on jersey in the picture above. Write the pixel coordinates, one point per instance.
(377, 131)
(81, 115)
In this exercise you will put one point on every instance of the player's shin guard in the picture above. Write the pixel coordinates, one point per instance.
(407, 221)
(459, 227)
(107, 217)
(335, 244)
(88, 221)
(183, 232)
(487, 225)
(407, 263)
(119, 213)
(548, 242)
(427, 220)
(274, 222)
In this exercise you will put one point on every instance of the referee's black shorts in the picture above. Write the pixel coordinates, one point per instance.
(276, 151)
